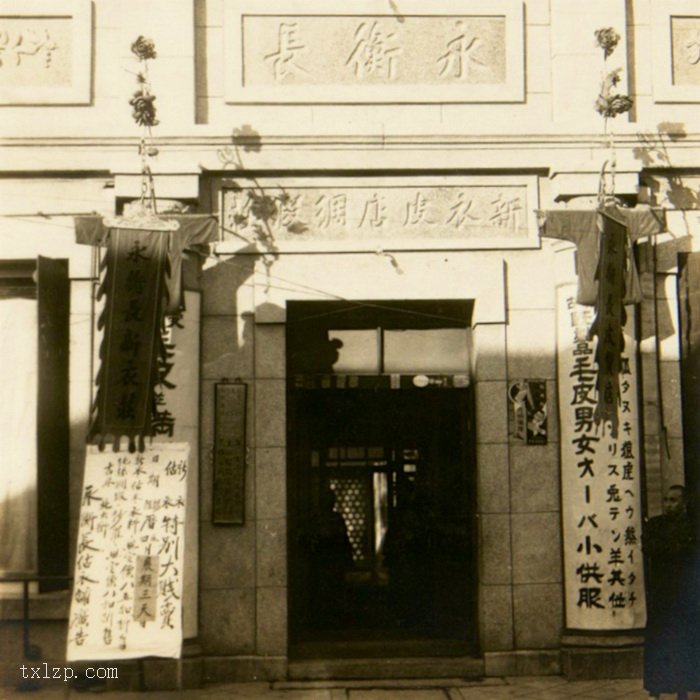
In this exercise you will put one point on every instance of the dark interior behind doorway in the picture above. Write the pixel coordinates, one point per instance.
(381, 498)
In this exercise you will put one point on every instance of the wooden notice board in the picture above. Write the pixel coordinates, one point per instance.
(228, 506)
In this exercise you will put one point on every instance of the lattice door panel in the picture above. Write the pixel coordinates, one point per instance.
(354, 503)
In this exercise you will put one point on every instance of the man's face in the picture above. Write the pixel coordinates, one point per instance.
(674, 501)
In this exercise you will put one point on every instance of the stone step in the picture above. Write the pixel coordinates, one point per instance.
(390, 683)
(377, 668)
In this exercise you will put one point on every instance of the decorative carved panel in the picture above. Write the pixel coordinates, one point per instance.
(45, 52)
(374, 51)
(676, 65)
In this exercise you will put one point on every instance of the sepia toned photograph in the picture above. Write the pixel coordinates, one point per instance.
(350, 351)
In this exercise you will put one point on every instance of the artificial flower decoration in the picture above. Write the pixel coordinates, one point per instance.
(144, 48)
(607, 39)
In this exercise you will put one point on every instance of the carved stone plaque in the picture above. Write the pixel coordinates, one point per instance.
(366, 213)
(287, 51)
(45, 50)
(685, 33)
(676, 44)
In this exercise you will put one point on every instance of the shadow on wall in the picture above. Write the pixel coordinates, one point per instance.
(230, 586)
(654, 154)
(661, 258)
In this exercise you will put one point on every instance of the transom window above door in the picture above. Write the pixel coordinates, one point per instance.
(380, 351)
(371, 338)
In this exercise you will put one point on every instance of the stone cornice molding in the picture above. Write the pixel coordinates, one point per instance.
(544, 153)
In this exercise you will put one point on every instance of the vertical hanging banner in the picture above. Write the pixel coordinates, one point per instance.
(610, 319)
(127, 592)
(136, 293)
(600, 480)
(142, 282)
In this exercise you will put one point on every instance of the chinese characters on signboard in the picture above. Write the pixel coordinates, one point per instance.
(291, 50)
(473, 212)
(45, 52)
(321, 52)
(127, 592)
(600, 481)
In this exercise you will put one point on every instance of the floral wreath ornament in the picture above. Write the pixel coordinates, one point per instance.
(609, 105)
(143, 113)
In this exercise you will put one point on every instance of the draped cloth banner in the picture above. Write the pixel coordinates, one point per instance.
(194, 233)
(128, 581)
(607, 280)
(142, 283)
(134, 284)
(584, 228)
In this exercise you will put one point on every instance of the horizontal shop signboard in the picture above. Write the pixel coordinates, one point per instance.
(366, 213)
(374, 51)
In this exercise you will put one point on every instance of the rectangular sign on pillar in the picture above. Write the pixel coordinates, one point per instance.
(600, 481)
(228, 507)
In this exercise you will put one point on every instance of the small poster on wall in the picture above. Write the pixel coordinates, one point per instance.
(127, 592)
(528, 398)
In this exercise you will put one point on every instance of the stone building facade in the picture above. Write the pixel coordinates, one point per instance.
(404, 152)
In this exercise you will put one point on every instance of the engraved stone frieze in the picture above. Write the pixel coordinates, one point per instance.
(361, 213)
(286, 51)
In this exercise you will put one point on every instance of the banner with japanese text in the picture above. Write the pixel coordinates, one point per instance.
(600, 481)
(127, 590)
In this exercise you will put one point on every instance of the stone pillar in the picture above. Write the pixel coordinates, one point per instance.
(493, 502)
(534, 469)
(271, 587)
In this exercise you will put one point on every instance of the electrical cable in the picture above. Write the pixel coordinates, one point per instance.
(299, 286)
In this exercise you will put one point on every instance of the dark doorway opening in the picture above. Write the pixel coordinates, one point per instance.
(382, 538)
(689, 307)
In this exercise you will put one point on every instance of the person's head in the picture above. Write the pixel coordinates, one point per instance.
(675, 500)
(327, 500)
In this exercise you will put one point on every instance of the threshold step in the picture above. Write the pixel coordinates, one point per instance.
(376, 668)
(393, 683)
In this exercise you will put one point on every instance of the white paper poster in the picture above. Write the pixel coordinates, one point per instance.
(600, 482)
(127, 590)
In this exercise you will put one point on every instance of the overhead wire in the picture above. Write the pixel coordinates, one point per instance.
(299, 286)
(295, 286)
(40, 218)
